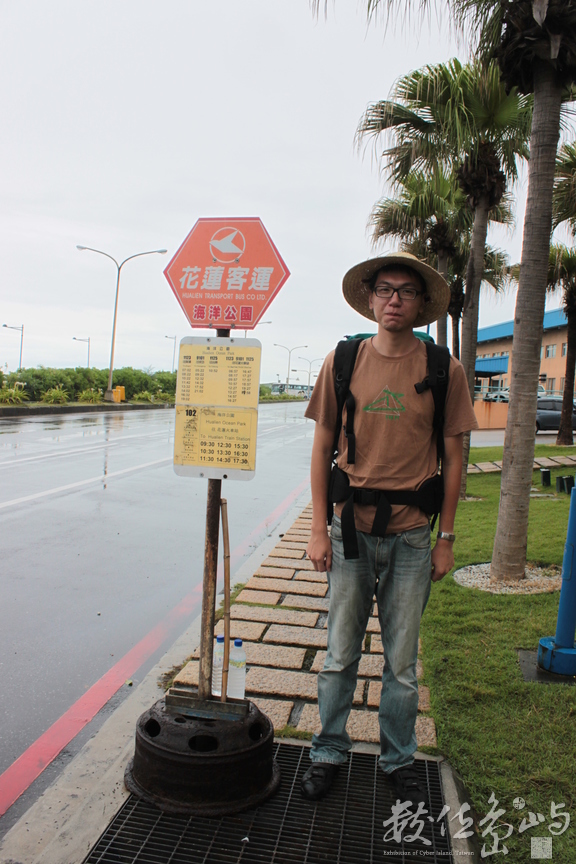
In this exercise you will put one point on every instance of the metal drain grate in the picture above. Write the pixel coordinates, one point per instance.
(345, 828)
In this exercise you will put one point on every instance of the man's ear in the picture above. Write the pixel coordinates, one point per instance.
(371, 300)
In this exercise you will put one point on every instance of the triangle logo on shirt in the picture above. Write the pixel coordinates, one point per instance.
(387, 403)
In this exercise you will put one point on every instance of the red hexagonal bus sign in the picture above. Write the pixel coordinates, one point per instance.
(226, 273)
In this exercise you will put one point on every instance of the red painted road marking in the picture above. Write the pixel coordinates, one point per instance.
(18, 777)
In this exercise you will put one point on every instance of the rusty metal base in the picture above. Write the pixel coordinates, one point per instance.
(203, 766)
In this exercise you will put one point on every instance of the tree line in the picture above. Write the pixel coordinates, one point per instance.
(84, 385)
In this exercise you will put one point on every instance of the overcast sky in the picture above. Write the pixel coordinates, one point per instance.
(123, 121)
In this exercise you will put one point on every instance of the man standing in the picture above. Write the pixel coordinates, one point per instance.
(389, 555)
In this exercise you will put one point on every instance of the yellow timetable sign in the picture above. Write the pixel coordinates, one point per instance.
(217, 407)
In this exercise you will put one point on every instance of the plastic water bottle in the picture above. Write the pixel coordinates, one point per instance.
(237, 671)
(217, 663)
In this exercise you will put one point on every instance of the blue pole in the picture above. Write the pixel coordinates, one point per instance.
(558, 654)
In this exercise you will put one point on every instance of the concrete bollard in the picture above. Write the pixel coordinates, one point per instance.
(558, 653)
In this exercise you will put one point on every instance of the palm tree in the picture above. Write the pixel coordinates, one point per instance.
(562, 274)
(535, 44)
(463, 118)
(427, 207)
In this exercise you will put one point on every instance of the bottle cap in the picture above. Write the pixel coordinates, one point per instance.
(237, 643)
(219, 638)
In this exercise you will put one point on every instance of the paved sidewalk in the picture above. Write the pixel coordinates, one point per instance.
(539, 462)
(281, 615)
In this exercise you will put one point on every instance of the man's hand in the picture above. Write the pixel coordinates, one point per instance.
(319, 550)
(442, 559)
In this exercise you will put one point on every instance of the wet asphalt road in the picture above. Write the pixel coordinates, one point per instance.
(100, 540)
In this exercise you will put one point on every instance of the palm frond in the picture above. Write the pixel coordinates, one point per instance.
(482, 21)
(442, 112)
(564, 194)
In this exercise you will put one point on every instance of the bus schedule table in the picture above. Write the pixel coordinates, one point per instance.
(217, 408)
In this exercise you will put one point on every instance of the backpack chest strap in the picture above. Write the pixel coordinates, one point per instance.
(427, 498)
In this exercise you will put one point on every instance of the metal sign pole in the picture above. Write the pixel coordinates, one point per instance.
(209, 588)
(209, 581)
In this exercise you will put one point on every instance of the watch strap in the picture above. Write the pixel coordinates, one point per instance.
(445, 535)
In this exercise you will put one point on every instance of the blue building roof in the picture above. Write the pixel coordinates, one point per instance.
(488, 366)
(553, 318)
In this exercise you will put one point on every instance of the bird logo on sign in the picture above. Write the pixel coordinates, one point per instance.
(227, 245)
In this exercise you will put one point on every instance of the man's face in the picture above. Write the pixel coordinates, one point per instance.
(396, 314)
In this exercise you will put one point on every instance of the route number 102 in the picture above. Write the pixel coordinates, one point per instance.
(190, 412)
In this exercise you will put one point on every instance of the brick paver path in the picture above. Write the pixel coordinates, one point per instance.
(281, 614)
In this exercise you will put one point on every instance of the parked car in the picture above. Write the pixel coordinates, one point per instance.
(503, 395)
(548, 413)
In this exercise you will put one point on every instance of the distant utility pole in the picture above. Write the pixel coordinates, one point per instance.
(310, 362)
(76, 339)
(21, 329)
(174, 352)
(289, 356)
(108, 395)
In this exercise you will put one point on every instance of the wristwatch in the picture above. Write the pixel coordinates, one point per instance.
(444, 535)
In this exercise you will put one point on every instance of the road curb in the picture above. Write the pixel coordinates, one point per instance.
(6, 412)
(68, 818)
(455, 795)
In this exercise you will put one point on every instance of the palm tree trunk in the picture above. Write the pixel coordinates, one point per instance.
(441, 323)
(474, 273)
(565, 434)
(456, 337)
(509, 554)
(442, 331)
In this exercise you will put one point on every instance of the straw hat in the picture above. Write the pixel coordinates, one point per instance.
(356, 289)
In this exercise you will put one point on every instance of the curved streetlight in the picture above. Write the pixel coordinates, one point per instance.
(256, 325)
(310, 362)
(21, 329)
(174, 352)
(276, 345)
(108, 394)
(76, 339)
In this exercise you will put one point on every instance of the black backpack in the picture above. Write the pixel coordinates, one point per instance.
(429, 496)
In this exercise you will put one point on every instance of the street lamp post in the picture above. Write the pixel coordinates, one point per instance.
(21, 329)
(260, 322)
(76, 339)
(276, 345)
(174, 352)
(108, 394)
(310, 362)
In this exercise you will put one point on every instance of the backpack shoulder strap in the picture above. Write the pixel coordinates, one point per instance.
(344, 360)
(438, 372)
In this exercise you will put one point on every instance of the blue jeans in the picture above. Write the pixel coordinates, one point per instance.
(397, 569)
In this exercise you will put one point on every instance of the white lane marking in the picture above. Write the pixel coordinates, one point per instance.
(79, 451)
(99, 479)
(10, 463)
(275, 428)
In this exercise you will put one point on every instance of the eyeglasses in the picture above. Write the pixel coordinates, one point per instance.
(386, 292)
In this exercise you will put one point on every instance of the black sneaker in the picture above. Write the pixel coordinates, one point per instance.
(317, 780)
(409, 786)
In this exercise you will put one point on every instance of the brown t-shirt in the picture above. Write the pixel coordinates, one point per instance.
(395, 441)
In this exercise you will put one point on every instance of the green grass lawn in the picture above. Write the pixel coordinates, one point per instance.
(501, 734)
